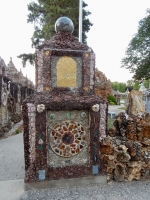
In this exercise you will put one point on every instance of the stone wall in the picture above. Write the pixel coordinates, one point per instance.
(14, 88)
(126, 150)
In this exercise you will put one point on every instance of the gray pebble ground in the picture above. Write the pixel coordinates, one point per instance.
(12, 168)
(116, 191)
(12, 158)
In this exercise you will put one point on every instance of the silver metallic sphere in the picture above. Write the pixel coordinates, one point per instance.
(64, 24)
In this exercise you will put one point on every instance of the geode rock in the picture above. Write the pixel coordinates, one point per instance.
(120, 172)
(130, 141)
(106, 148)
(134, 170)
(122, 156)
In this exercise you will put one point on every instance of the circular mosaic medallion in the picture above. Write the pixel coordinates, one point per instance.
(67, 138)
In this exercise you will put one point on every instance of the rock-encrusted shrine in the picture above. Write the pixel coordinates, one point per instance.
(64, 120)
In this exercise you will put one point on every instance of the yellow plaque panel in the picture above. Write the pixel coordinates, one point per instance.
(66, 72)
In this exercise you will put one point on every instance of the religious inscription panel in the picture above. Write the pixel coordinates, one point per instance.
(68, 136)
(66, 71)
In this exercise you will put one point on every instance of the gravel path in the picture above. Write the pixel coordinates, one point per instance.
(136, 190)
(12, 158)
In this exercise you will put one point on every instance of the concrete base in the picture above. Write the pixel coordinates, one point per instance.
(13, 189)
(72, 182)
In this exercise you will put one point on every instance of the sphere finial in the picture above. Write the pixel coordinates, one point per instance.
(64, 24)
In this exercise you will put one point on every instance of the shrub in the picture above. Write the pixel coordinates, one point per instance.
(112, 100)
(112, 103)
(17, 131)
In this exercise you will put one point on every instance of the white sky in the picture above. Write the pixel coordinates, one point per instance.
(115, 22)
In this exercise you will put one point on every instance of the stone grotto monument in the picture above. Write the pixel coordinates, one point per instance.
(64, 120)
(14, 88)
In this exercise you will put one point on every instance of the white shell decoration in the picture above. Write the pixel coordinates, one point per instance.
(95, 107)
(40, 108)
(41, 141)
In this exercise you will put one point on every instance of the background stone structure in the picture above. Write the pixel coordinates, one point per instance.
(64, 119)
(102, 85)
(14, 88)
(134, 103)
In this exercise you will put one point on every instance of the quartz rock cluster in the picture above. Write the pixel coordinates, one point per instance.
(134, 103)
(126, 150)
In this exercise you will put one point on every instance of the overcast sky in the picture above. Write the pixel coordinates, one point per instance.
(114, 24)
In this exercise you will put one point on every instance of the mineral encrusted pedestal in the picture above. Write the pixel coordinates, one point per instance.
(64, 120)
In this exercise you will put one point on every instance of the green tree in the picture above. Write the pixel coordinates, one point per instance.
(137, 55)
(44, 14)
(136, 85)
(118, 86)
(147, 83)
(130, 82)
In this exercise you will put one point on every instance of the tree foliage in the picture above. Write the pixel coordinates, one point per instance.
(147, 83)
(44, 13)
(118, 86)
(136, 84)
(27, 57)
(137, 55)
(133, 84)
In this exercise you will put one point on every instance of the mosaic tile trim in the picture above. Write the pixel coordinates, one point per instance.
(65, 52)
(41, 142)
(67, 138)
(103, 120)
(46, 70)
(26, 136)
(94, 143)
(69, 172)
(54, 61)
(92, 72)
(31, 116)
(64, 40)
(86, 71)
(39, 70)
